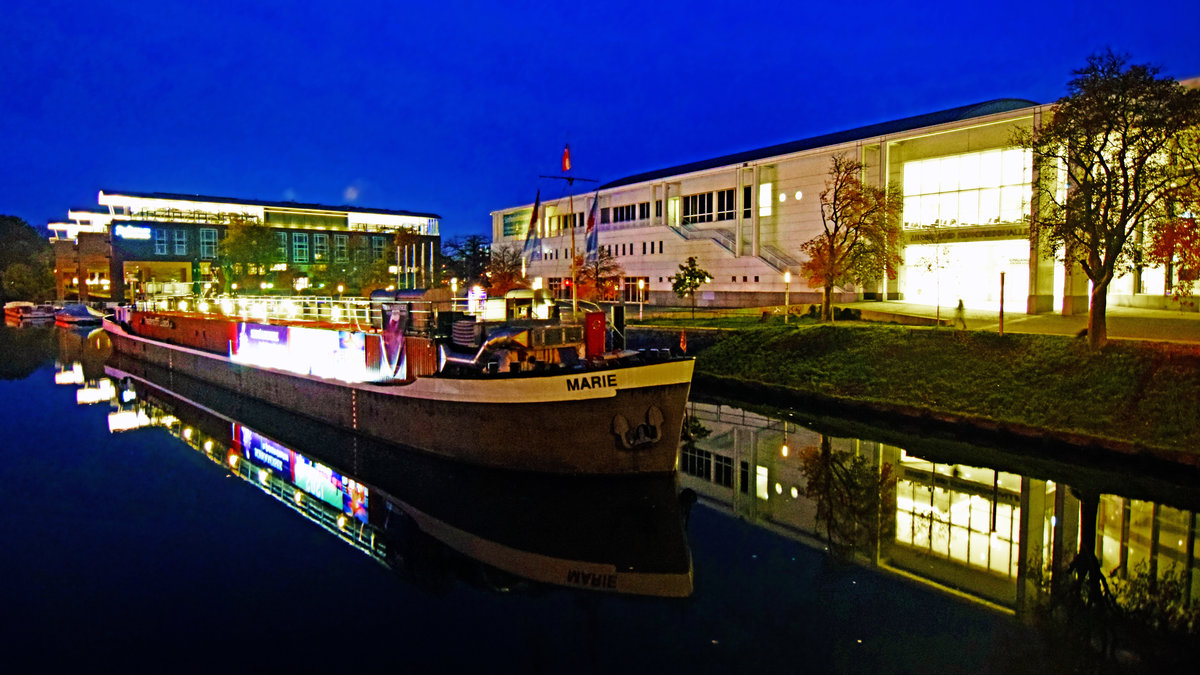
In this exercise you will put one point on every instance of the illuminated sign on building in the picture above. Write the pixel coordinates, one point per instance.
(517, 223)
(132, 232)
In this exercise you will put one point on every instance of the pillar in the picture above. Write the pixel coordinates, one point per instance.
(1075, 289)
(1031, 553)
(1041, 254)
(1066, 532)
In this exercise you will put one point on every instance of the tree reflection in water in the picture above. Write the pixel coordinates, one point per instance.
(850, 493)
(25, 349)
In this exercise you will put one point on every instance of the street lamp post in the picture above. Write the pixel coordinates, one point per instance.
(641, 297)
(787, 290)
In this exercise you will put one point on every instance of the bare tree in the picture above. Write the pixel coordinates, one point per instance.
(504, 269)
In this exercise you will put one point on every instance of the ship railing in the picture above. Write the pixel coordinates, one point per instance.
(305, 308)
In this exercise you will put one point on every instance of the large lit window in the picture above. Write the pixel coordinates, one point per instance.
(979, 188)
(281, 246)
(970, 516)
(320, 247)
(764, 200)
(160, 242)
(377, 248)
(300, 247)
(341, 248)
(180, 242)
(208, 243)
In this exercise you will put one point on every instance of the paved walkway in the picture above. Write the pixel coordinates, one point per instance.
(1123, 322)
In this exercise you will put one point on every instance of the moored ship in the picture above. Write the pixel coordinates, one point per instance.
(428, 519)
(501, 382)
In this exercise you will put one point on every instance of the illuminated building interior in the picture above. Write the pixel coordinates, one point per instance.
(967, 205)
(957, 527)
(141, 244)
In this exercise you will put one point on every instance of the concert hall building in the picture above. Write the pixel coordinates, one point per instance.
(744, 217)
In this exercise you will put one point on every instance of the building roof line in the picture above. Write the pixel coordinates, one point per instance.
(836, 138)
(265, 203)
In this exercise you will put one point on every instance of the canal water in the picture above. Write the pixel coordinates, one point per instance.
(153, 523)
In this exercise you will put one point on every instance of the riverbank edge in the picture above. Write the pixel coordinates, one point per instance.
(1067, 445)
(1062, 444)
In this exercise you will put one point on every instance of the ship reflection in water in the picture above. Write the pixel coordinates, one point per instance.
(430, 520)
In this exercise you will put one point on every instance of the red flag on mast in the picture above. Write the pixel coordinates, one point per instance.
(566, 157)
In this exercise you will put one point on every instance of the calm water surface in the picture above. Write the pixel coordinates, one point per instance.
(169, 527)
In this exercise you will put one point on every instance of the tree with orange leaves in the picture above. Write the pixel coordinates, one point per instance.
(1174, 243)
(600, 279)
(859, 242)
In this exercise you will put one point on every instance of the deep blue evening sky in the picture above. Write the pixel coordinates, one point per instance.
(457, 107)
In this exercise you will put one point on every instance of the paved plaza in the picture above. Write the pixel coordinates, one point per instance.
(1123, 322)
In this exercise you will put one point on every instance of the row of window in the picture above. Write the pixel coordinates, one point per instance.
(614, 250)
(648, 248)
(628, 212)
(320, 247)
(698, 208)
(164, 238)
(175, 242)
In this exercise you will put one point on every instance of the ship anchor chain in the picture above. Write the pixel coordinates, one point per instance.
(639, 436)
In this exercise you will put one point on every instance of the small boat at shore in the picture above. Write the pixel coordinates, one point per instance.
(499, 382)
(78, 315)
(20, 311)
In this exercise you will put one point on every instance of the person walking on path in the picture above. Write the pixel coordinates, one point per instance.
(960, 315)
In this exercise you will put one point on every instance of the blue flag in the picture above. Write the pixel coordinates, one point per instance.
(592, 238)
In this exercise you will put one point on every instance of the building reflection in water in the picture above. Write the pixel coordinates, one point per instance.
(961, 527)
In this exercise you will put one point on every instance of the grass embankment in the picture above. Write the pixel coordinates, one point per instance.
(1140, 394)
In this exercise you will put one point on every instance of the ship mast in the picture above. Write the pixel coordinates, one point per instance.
(571, 205)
